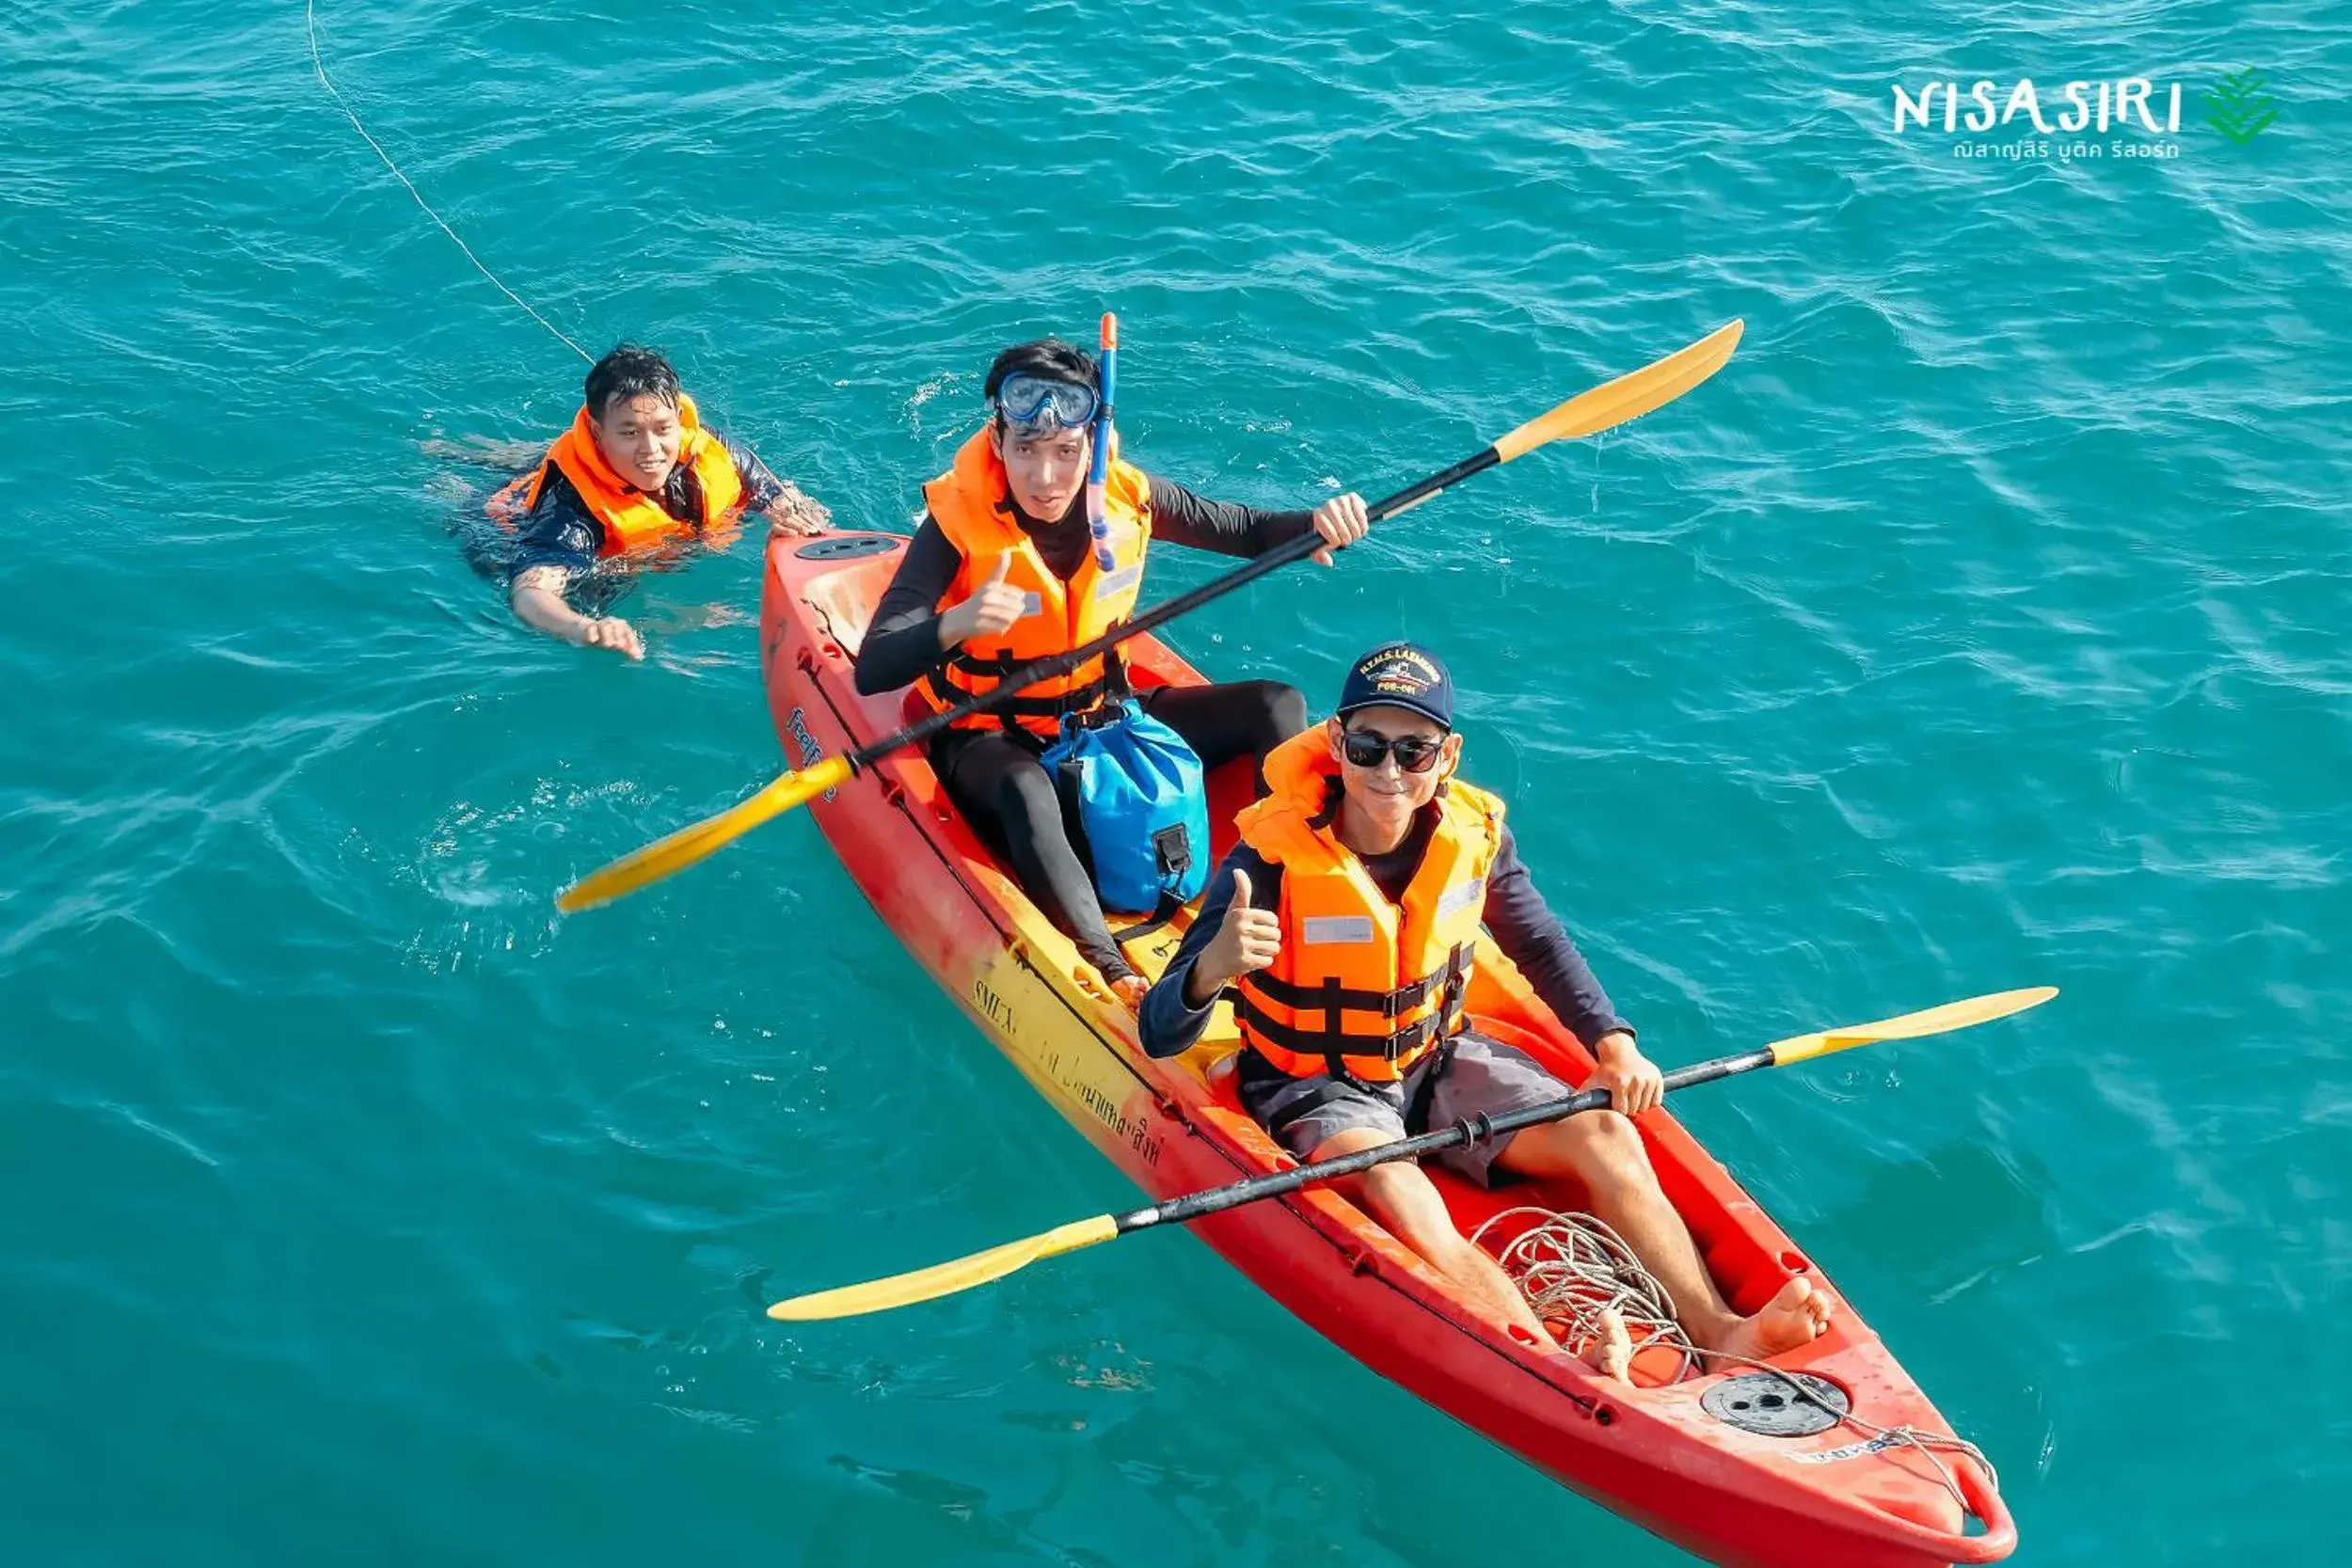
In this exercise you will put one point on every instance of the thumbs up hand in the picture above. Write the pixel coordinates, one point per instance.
(1247, 942)
(994, 606)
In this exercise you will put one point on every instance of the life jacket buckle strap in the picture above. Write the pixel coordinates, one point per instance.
(1335, 1051)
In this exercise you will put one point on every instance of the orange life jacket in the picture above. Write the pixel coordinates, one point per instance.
(633, 519)
(974, 508)
(1361, 987)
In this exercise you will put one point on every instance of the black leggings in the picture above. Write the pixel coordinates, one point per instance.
(1005, 791)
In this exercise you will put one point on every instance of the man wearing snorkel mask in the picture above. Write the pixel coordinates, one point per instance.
(1006, 569)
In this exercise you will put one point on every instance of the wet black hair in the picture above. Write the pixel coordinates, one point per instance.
(1048, 359)
(630, 371)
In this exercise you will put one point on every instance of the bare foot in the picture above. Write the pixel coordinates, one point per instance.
(1793, 1318)
(1611, 1349)
(1130, 988)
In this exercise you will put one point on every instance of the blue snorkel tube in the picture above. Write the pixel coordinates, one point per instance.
(1098, 521)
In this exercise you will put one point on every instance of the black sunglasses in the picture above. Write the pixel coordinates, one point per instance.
(1364, 748)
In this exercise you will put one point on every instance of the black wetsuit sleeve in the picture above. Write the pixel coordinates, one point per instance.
(1165, 1026)
(1531, 937)
(559, 530)
(760, 486)
(902, 639)
(1181, 517)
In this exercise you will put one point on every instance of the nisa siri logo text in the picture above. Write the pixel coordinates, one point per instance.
(2127, 117)
(2097, 108)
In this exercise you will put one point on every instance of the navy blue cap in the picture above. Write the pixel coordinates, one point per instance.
(1398, 674)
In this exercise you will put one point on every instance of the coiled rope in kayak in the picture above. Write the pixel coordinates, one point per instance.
(311, 25)
(1573, 1269)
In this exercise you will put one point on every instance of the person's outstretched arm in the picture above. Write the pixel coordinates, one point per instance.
(1181, 517)
(560, 539)
(1531, 937)
(788, 509)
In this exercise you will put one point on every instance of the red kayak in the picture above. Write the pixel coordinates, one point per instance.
(1739, 1466)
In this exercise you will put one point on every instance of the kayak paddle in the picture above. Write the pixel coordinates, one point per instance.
(1604, 407)
(980, 1268)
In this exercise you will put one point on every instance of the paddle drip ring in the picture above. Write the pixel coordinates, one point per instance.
(1572, 1268)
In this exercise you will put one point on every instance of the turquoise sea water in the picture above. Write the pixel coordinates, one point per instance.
(1982, 624)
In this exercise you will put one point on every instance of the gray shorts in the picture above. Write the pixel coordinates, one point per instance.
(1478, 1077)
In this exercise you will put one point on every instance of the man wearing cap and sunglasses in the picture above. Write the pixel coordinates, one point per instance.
(1006, 569)
(1345, 924)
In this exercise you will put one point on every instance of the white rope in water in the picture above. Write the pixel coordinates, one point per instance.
(1573, 1268)
(309, 22)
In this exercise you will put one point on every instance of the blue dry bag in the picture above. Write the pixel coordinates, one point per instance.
(1142, 803)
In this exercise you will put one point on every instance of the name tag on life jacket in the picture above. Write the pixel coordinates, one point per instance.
(1032, 604)
(1332, 929)
(1121, 581)
(1460, 898)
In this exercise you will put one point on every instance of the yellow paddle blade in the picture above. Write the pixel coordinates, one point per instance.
(946, 1279)
(1931, 1020)
(1629, 397)
(682, 849)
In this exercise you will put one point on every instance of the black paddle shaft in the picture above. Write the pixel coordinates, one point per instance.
(1217, 1199)
(1054, 665)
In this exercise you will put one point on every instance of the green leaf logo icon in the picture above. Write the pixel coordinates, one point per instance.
(2239, 108)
